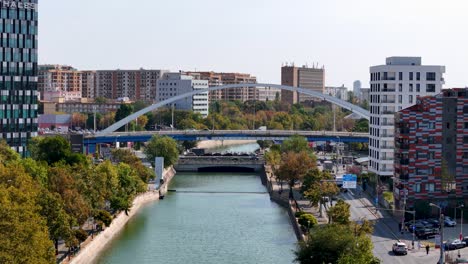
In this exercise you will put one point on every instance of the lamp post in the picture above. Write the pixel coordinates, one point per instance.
(461, 220)
(441, 216)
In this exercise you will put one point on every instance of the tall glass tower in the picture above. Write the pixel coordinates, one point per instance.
(18, 72)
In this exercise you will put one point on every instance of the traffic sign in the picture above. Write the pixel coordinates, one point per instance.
(349, 181)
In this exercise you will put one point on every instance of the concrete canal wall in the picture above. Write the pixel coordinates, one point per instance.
(282, 200)
(94, 248)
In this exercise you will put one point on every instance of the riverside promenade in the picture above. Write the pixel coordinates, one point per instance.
(282, 198)
(93, 246)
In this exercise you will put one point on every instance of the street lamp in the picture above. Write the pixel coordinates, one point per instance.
(461, 220)
(441, 216)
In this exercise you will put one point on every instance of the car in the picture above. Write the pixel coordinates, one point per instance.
(449, 222)
(454, 244)
(435, 223)
(461, 261)
(426, 233)
(399, 248)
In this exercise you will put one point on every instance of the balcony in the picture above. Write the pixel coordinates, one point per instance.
(387, 112)
(387, 123)
(387, 135)
(386, 90)
(386, 147)
(388, 101)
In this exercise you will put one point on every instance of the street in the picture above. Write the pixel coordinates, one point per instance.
(386, 233)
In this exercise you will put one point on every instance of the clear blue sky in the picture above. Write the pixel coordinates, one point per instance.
(255, 36)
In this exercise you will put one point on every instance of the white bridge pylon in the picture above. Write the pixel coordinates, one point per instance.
(354, 108)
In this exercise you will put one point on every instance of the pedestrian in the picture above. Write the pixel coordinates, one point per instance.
(427, 249)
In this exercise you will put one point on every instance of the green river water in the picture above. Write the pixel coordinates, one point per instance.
(207, 222)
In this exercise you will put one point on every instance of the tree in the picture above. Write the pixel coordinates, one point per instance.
(103, 217)
(340, 213)
(264, 144)
(50, 149)
(7, 154)
(79, 120)
(293, 167)
(100, 100)
(128, 157)
(124, 111)
(336, 244)
(189, 144)
(165, 147)
(23, 233)
(296, 144)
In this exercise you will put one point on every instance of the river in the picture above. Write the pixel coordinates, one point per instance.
(211, 218)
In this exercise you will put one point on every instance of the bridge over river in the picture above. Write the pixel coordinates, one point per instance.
(248, 163)
(91, 141)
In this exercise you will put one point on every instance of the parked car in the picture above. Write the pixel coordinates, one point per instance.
(449, 222)
(426, 233)
(454, 244)
(435, 223)
(399, 248)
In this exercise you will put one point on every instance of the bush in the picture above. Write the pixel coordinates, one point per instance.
(298, 214)
(104, 217)
(307, 220)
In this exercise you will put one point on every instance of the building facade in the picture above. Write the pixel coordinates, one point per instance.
(395, 86)
(59, 78)
(431, 149)
(308, 78)
(18, 77)
(88, 84)
(340, 92)
(224, 78)
(357, 85)
(174, 84)
(138, 85)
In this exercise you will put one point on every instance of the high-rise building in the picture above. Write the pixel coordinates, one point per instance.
(18, 77)
(308, 78)
(133, 84)
(174, 84)
(88, 84)
(224, 78)
(431, 149)
(395, 86)
(357, 88)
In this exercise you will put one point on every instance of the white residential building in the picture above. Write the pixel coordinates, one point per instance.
(395, 86)
(357, 88)
(338, 92)
(174, 84)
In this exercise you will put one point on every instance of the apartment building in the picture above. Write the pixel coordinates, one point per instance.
(224, 78)
(305, 77)
(340, 92)
(174, 84)
(62, 79)
(395, 86)
(429, 134)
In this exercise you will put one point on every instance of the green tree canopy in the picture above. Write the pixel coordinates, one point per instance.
(165, 147)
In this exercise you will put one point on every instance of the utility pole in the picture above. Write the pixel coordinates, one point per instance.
(172, 117)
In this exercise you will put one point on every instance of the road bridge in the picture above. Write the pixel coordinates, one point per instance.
(91, 141)
(220, 163)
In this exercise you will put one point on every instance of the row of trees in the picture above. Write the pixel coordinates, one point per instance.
(48, 197)
(232, 115)
(341, 241)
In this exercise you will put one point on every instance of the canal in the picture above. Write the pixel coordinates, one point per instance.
(211, 218)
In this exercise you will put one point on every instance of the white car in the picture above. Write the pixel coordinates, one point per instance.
(400, 248)
(449, 222)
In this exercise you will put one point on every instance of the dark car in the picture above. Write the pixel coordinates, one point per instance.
(435, 223)
(426, 233)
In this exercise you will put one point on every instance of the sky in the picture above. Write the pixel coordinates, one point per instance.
(255, 36)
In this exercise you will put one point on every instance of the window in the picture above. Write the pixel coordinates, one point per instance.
(400, 76)
(465, 140)
(410, 99)
(448, 125)
(465, 170)
(431, 125)
(410, 76)
(418, 76)
(430, 76)
(400, 100)
(430, 187)
(465, 109)
(411, 87)
(465, 155)
(417, 187)
(400, 87)
(418, 87)
(430, 88)
(466, 125)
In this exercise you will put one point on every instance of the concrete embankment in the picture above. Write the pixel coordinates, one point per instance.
(282, 200)
(95, 246)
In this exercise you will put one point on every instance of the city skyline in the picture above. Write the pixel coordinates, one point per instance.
(255, 37)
